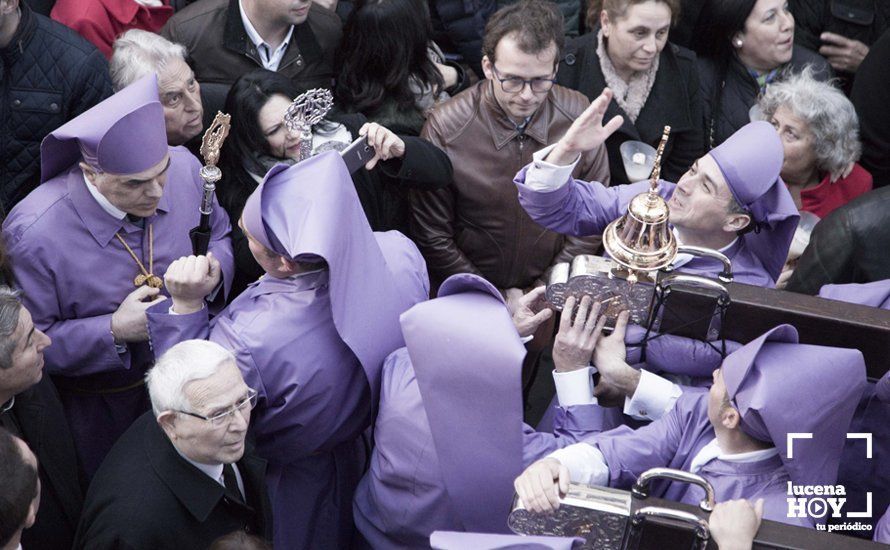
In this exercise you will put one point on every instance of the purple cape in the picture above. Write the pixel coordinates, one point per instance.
(463, 377)
(311, 210)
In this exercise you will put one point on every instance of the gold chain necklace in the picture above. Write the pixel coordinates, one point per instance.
(147, 276)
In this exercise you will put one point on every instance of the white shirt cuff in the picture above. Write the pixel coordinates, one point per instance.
(526, 339)
(585, 462)
(655, 396)
(575, 387)
(544, 176)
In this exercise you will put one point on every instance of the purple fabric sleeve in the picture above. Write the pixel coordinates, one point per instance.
(579, 208)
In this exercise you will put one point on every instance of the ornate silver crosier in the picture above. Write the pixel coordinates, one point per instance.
(306, 111)
(211, 144)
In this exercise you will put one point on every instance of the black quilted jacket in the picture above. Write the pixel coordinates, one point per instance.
(48, 75)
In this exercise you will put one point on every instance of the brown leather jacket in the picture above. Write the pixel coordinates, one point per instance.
(477, 225)
(219, 50)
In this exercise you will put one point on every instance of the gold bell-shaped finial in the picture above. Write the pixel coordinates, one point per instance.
(641, 239)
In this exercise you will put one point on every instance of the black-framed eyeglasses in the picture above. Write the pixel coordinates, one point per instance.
(514, 84)
(223, 418)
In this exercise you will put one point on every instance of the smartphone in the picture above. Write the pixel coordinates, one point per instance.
(357, 154)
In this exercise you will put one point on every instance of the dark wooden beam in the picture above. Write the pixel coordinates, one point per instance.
(754, 310)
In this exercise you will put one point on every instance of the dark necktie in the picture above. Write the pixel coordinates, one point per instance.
(231, 482)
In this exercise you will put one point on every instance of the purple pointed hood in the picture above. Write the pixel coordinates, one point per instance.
(309, 211)
(125, 134)
(780, 387)
(467, 358)
(751, 160)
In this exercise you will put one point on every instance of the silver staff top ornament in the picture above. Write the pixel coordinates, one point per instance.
(305, 111)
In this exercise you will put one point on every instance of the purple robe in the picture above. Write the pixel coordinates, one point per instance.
(314, 396)
(673, 441)
(882, 530)
(582, 208)
(75, 274)
(402, 499)
(858, 474)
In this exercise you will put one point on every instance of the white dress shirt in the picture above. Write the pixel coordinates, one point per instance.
(106, 205)
(270, 58)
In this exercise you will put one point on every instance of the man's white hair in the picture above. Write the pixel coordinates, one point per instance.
(183, 363)
(138, 53)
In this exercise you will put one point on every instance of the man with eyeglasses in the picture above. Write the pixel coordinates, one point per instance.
(490, 131)
(183, 474)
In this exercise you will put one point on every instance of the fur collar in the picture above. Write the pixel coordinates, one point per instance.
(630, 96)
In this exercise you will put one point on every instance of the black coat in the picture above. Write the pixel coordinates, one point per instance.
(383, 193)
(684, 31)
(862, 20)
(49, 74)
(734, 93)
(38, 414)
(146, 496)
(459, 25)
(849, 246)
(674, 100)
(871, 97)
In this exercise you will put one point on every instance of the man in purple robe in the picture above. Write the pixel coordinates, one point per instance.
(449, 437)
(735, 436)
(310, 336)
(114, 210)
(731, 200)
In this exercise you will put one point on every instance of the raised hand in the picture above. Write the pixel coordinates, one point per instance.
(587, 132)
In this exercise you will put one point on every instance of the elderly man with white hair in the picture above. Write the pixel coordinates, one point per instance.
(182, 475)
(138, 53)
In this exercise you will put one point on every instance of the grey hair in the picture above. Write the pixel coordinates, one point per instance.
(138, 53)
(10, 309)
(828, 113)
(183, 363)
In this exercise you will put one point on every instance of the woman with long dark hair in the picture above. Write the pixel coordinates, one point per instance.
(654, 82)
(389, 69)
(259, 140)
(743, 46)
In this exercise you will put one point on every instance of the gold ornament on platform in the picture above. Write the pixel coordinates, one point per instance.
(641, 240)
